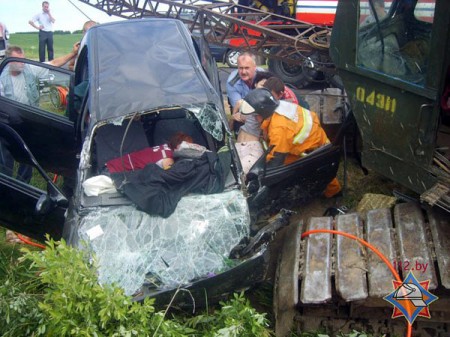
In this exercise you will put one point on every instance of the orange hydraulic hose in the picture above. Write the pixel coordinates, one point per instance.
(372, 248)
(62, 92)
(29, 242)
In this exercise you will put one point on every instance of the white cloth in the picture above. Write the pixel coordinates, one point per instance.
(97, 185)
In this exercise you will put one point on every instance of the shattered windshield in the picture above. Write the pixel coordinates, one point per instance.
(132, 247)
(209, 118)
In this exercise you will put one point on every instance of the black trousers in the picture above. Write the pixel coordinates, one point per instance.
(45, 39)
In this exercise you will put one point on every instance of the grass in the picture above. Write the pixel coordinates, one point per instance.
(62, 43)
(359, 183)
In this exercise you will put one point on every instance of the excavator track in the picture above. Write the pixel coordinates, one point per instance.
(333, 283)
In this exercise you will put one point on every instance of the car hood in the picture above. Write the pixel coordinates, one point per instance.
(158, 69)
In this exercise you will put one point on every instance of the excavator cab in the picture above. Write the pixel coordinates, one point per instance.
(394, 61)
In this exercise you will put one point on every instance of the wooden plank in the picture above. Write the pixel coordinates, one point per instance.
(316, 278)
(440, 231)
(350, 274)
(413, 243)
(379, 234)
(286, 281)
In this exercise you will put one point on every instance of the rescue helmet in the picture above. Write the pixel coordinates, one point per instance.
(260, 101)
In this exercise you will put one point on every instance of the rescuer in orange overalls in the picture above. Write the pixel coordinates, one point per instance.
(292, 130)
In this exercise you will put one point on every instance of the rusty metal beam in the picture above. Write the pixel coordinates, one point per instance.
(221, 21)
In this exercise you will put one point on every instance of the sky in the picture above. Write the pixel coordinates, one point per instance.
(15, 14)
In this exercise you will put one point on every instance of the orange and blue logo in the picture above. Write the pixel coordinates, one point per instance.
(411, 298)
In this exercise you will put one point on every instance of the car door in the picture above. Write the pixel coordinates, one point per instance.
(24, 205)
(37, 111)
(36, 138)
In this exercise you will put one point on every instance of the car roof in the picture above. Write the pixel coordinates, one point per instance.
(142, 64)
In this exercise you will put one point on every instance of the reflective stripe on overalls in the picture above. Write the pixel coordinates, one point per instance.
(305, 131)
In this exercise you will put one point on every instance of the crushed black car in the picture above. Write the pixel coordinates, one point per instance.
(137, 85)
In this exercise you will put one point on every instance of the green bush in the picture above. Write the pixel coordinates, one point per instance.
(55, 292)
(20, 293)
(235, 318)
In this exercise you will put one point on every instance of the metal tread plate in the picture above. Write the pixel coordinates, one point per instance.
(285, 297)
(316, 276)
(350, 273)
(286, 289)
(402, 236)
(379, 234)
(440, 231)
(413, 243)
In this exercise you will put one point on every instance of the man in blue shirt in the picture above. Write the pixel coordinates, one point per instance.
(239, 84)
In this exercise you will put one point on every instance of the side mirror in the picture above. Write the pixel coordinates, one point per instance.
(44, 204)
(54, 197)
(51, 200)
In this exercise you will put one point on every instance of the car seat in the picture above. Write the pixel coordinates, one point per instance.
(109, 138)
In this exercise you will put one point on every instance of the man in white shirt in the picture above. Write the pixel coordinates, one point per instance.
(43, 22)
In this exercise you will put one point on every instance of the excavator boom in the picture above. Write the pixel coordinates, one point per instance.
(226, 23)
